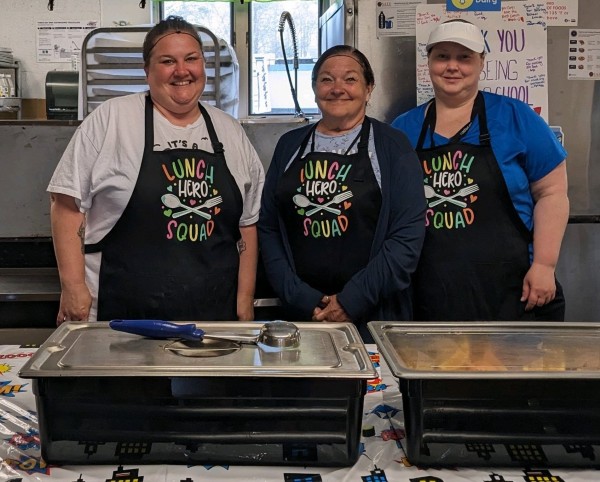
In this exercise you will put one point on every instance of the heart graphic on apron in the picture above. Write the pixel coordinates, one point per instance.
(168, 212)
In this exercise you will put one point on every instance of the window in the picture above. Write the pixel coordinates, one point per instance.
(217, 16)
(271, 92)
(264, 83)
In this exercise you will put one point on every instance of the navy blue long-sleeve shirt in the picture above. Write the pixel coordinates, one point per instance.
(379, 291)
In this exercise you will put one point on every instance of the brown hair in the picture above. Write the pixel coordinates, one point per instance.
(170, 25)
(345, 50)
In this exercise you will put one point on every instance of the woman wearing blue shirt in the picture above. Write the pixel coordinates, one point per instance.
(496, 186)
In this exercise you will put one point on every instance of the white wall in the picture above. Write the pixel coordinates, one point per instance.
(368, 43)
(18, 26)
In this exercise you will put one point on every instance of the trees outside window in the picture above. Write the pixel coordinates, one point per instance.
(268, 89)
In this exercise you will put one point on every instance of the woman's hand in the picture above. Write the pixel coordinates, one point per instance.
(539, 286)
(245, 308)
(75, 304)
(332, 311)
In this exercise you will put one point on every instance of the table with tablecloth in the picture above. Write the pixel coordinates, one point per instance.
(382, 455)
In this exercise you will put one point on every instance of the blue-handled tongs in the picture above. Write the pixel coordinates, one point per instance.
(159, 329)
(166, 329)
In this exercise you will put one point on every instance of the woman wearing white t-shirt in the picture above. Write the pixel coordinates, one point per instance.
(155, 201)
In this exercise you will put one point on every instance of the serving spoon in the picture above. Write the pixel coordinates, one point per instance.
(273, 334)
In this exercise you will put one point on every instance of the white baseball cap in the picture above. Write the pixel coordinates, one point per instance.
(463, 33)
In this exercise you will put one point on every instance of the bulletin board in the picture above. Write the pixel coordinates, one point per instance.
(516, 50)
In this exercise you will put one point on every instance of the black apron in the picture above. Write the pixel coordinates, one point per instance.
(476, 250)
(172, 254)
(330, 205)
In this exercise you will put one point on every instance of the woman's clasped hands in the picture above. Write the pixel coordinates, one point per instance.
(330, 310)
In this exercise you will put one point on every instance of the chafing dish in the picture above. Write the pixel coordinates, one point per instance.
(497, 393)
(105, 396)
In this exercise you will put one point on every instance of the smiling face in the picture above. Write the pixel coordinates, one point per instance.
(341, 92)
(176, 75)
(454, 70)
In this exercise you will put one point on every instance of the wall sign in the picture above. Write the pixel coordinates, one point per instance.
(473, 5)
(61, 41)
(584, 54)
(396, 18)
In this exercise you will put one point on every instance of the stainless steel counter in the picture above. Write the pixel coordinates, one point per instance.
(31, 150)
(29, 284)
(25, 336)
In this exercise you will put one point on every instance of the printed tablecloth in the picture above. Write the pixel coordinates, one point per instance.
(382, 455)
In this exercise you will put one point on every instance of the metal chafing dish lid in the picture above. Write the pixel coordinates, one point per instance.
(435, 350)
(93, 349)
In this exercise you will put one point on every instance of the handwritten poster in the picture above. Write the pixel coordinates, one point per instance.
(516, 50)
(562, 12)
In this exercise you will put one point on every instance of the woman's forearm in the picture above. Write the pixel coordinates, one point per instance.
(68, 235)
(248, 248)
(550, 216)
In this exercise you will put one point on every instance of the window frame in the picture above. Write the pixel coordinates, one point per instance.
(241, 20)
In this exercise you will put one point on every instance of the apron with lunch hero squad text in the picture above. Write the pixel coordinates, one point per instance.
(476, 250)
(173, 252)
(330, 205)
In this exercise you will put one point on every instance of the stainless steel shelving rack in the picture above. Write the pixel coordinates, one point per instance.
(112, 65)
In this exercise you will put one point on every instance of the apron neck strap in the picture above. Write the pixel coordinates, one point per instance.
(484, 135)
(212, 134)
(477, 111)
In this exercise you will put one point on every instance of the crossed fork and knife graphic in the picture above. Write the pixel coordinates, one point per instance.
(302, 201)
(465, 191)
(173, 202)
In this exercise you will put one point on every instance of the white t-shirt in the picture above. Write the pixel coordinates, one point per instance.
(100, 166)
